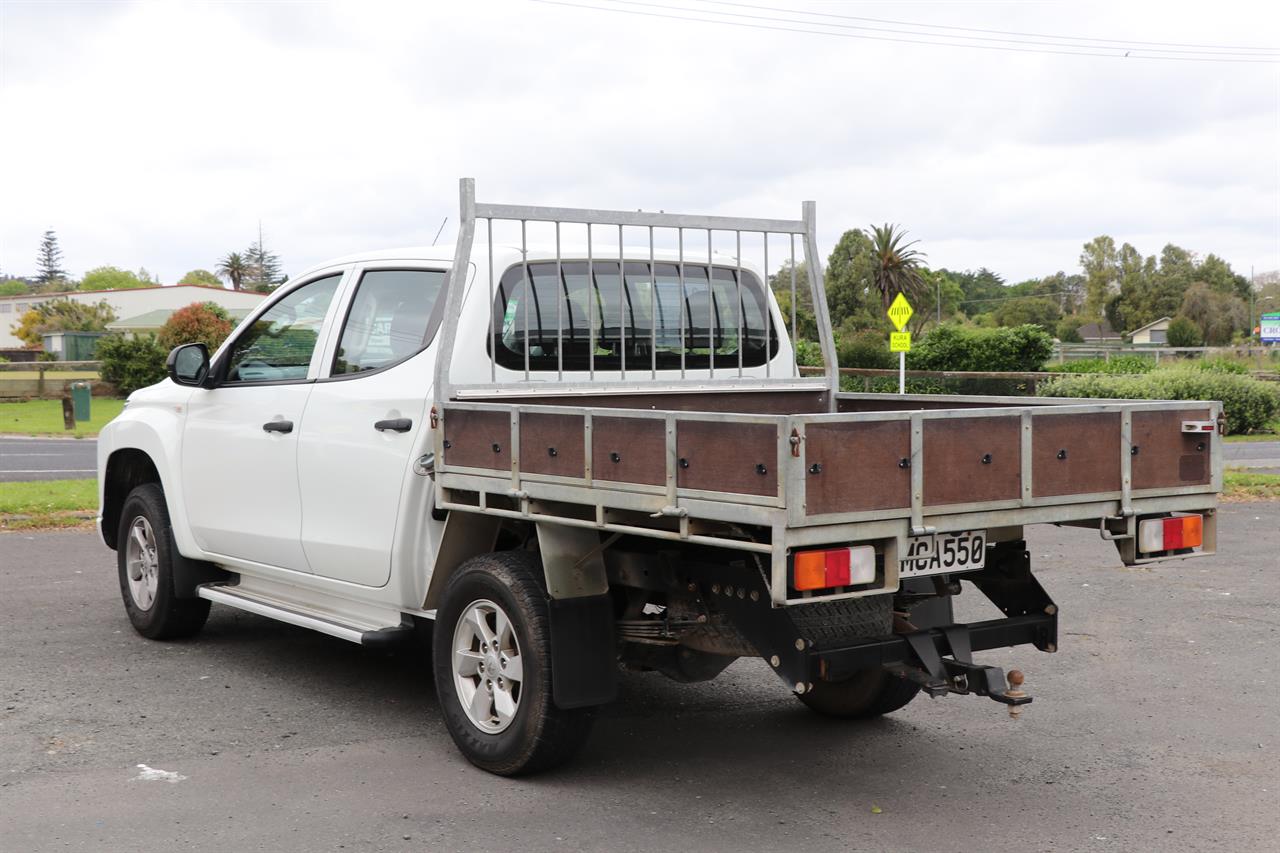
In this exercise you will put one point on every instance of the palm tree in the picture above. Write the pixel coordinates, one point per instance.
(897, 265)
(233, 268)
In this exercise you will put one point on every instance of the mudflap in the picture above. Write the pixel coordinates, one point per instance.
(188, 574)
(584, 669)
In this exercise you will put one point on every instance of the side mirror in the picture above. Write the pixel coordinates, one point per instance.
(188, 364)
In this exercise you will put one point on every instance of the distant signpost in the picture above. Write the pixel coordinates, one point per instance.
(900, 342)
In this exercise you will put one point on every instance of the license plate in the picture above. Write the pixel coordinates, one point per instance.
(944, 553)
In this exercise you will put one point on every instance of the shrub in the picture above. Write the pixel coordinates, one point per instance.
(1249, 404)
(1121, 364)
(1221, 365)
(951, 347)
(131, 363)
(1069, 330)
(867, 348)
(1183, 332)
(200, 322)
(808, 353)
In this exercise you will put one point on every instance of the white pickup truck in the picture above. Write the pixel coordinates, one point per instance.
(576, 461)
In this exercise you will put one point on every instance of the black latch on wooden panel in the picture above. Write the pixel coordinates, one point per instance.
(684, 463)
(986, 459)
(815, 468)
(1062, 454)
(552, 452)
(904, 463)
(761, 469)
(615, 456)
(447, 444)
(497, 448)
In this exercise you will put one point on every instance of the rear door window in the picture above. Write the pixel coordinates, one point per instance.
(389, 319)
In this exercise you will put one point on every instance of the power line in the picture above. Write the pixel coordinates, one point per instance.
(1016, 296)
(1121, 42)
(746, 25)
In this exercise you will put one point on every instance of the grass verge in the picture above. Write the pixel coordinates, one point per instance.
(1240, 484)
(47, 503)
(44, 417)
(1271, 433)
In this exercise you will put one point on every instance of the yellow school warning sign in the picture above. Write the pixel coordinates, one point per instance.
(899, 342)
(900, 312)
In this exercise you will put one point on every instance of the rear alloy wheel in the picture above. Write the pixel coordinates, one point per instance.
(491, 656)
(487, 667)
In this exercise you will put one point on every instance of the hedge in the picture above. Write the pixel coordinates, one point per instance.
(1249, 404)
(951, 347)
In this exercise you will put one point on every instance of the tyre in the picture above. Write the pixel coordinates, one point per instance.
(491, 657)
(145, 555)
(873, 692)
(869, 693)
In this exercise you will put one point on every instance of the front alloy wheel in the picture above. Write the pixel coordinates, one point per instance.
(142, 563)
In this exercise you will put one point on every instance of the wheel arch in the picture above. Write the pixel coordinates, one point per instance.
(126, 469)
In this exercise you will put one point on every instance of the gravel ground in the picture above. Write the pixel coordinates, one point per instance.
(1154, 728)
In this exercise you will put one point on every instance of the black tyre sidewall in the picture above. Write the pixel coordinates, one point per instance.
(168, 615)
(507, 751)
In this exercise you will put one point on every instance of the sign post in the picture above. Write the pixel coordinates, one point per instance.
(900, 342)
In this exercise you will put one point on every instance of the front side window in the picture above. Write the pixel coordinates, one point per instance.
(279, 344)
(643, 318)
(388, 319)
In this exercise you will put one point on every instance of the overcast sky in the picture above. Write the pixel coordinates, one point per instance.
(159, 134)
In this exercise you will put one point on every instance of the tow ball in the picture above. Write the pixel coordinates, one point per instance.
(939, 676)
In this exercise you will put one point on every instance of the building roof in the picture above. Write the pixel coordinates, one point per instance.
(157, 318)
(1151, 325)
(29, 296)
(1098, 331)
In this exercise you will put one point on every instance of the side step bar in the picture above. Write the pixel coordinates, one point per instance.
(304, 617)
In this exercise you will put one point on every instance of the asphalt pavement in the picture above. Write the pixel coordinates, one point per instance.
(1260, 457)
(23, 459)
(1155, 727)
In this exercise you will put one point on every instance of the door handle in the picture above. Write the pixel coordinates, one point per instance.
(278, 426)
(395, 425)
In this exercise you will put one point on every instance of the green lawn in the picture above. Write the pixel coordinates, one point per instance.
(44, 417)
(47, 503)
(1239, 483)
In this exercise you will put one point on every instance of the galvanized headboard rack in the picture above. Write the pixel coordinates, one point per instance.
(642, 376)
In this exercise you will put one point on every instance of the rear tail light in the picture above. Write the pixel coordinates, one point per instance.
(831, 567)
(1176, 533)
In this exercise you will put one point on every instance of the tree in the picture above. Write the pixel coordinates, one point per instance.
(780, 283)
(935, 283)
(1069, 329)
(1217, 315)
(200, 322)
(201, 277)
(62, 315)
(50, 275)
(263, 274)
(1184, 333)
(848, 280)
(1099, 261)
(897, 265)
(234, 268)
(110, 278)
(13, 287)
(1029, 310)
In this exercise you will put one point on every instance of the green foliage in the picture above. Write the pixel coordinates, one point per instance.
(203, 278)
(1031, 310)
(13, 287)
(808, 353)
(848, 281)
(131, 363)
(897, 266)
(1120, 365)
(935, 283)
(1221, 365)
(1183, 332)
(200, 322)
(780, 282)
(952, 347)
(1217, 314)
(865, 348)
(234, 268)
(111, 278)
(262, 268)
(62, 315)
(1249, 404)
(50, 276)
(1068, 330)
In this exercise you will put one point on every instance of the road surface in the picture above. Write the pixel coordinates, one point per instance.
(1156, 727)
(47, 459)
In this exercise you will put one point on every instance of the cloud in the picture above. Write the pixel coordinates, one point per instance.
(160, 134)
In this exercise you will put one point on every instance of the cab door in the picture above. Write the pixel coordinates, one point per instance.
(362, 419)
(240, 439)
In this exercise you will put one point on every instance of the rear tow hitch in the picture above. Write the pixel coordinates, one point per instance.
(939, 676)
